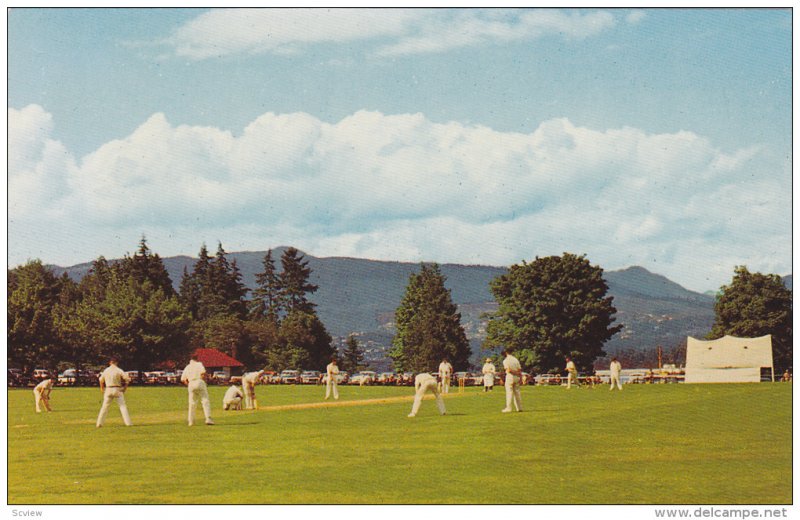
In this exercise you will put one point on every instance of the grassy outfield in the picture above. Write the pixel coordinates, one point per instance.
(650, 444)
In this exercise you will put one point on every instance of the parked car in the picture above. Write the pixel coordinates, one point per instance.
(172, 378)
(386, 378)
(220, 377)
(40, 374)
(135, 377)
(290, 377)
(365, 377)
(17, 379)
(72, 376)
(342, 377)
(407, 379)
(235, 380)
(549, 379)
(156, 377)
(310, 377)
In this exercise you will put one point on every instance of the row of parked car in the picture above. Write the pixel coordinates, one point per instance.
(74, 377)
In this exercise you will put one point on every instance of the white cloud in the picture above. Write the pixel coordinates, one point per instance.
(394, 31)
(402, 187)
(255, 31)
(635, 17)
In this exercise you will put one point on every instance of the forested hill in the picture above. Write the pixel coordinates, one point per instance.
(357, 295)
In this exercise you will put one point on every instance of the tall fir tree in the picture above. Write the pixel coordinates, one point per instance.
(428, 325)
(294, 282)
(266, 301)
(353, 355)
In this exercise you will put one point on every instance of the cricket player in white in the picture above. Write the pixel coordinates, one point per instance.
(113, 383)
(249, 382)
(41, 394)
(513, 379)
(572, 374)
(424, 382)
(193, 376)
(488, 375)
(616, 369)
(232, 400)
(445, 372)
(332, 372)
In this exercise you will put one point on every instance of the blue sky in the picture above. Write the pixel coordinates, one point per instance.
(656, 137)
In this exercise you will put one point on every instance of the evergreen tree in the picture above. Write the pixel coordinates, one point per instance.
(34, 294)
(266, 303)
(754, 305)
(428, 325)
(145, 265)
(353, 355)
(134, 320)
(552, 308)
(305, 339)
(294, 282)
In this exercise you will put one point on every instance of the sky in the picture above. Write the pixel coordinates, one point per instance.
(651, 137)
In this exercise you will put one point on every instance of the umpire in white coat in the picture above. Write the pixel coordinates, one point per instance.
(193, 376)
(423, 383)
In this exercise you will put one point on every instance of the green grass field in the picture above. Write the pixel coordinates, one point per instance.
(650, 444)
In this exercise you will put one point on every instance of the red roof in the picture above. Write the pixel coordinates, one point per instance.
(213, 358)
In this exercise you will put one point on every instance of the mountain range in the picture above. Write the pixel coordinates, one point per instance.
(360, 296)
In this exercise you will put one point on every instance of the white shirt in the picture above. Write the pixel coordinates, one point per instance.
(232, 393)
(616, 368)
(510, 363)
(194, 371)
(332, 369)
(445, 369)
(571, 367)
(113, 376)
(45, 385)
(424, 379)
(488, 368)
(251, 378)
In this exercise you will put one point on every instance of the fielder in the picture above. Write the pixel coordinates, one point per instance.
(445, 372)
(193, 377)
(488, 375)
(332, 371)
(572, 374)
(41, 394)
(113, 383)
(249, 382)
(424, 382)
(513, 378)
(616, 369)
(232, 400)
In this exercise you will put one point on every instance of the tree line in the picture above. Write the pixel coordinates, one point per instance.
(130, 309)
(548, 309)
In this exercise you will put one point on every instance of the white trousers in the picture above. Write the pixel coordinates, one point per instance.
(41, 401)
(615, 380)
(513, 395)
(421, 392)
(446, 384)
(331, 385)
(572, 377)
(249, 392)
(232, 404)
(198, 391)
(109, 395)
